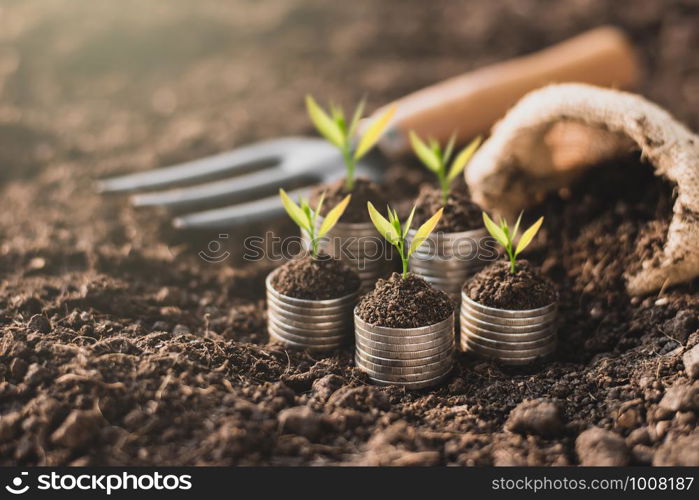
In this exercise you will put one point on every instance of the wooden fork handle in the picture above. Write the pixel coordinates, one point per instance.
(471, 103)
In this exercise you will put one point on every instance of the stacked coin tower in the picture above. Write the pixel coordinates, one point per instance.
(447, 260)
(414, 358)
(319, 325)
(511, 337)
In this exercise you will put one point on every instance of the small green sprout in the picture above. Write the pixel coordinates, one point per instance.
(393, 233)
(306, 218)
(338, 132)
(436, 159)
(506, 237)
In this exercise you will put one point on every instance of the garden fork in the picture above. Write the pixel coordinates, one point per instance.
(468, 104)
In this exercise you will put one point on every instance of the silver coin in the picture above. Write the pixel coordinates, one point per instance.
(508, 313)
(489, 319)
(310, 331)
(413, 385)
(404, 355)
(509, 361)
(314, 322)
(405, 362)
(279, 332)
(325, 311)
(505, 325)
(401, 340)
(407, 370)
(501, 353)
(407, 338)
(467, 327)
(424, 346)
(402, 378)
(307, 328)
(310, 317)
(445, 324)
(512, 346)
(296, 345)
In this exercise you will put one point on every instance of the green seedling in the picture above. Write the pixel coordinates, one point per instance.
(391, 230)
(437, 160)
(306, 218)
(334, 127)
(506, 236)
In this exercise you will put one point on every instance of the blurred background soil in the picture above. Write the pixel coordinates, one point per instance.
(150, 355)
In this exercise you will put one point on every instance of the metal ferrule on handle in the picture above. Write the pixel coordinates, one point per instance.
(512, 337)
(318, 325)
(414, 358)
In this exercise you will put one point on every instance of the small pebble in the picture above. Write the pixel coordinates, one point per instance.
(301, 420)
(691, 362)
(597, 446)
(535, 416)
(679, 327)
(638, 436)
(681, 397)
(39, 323)
(642, 454)
(180, 330)
(78, 429)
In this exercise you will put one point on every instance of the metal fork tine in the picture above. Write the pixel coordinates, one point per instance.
(228, 190)
(229, 162)
(263, 209)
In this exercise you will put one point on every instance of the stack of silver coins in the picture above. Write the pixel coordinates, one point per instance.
(511, 337)
(447, 260)
(360, 246)
(318, 325)
(414, 358)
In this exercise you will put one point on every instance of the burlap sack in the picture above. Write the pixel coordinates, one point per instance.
(553, 133)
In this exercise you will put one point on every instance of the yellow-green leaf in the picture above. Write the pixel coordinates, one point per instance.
(515, 229)
(495, 231)
(409, 222)
(356, 117)
(462, 159)
(384, 227)
(422, 151)
(528, 236)
(424, 231)
(294, 211)
(450, 148)
(374, 132)
(327, 127)
(333, 216)
(319, 207)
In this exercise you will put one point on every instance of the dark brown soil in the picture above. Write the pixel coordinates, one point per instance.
(496, 286)
(408, 302)
(460, 213)
(145, 354)
(315, 278)
(364, 191)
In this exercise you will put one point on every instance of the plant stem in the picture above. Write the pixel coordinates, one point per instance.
(403, 258)
(349, 163)
(513, 259)
(445, 188)
(314, 242)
